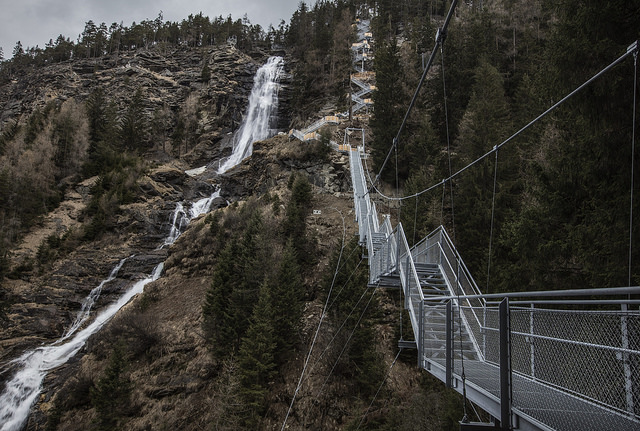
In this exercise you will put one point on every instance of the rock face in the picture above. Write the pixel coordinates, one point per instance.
(43, 304)
(166, 77)
(170, 80)
(172, 368)
(177, 382)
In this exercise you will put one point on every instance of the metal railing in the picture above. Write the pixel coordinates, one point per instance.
(536, 360)
(309, 133)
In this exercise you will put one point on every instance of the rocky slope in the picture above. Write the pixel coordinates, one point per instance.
(170, 79)
(176, 382)
(178, 385)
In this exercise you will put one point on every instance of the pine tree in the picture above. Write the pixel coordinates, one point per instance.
(387, 99)
(576, 215)
(484, 125)
(287, 299)
(217, 309)
(133, 125)
(256, 359)
(111, 394)
(247, 270)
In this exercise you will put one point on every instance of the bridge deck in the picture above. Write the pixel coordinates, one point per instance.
(539, 405)
(535, 405)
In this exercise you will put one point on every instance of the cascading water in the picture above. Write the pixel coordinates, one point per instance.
(261, 113)
(181, 218)
(23, 389)
(87, 304)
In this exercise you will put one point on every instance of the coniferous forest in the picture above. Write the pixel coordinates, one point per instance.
(562, 200)
(557, 207)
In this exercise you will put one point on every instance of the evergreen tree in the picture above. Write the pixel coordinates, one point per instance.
(287, 299)
(217, 310)
(576, 215)
(387, 99)
(294, 224)
(256, 359)
(247, 270)
(484, 125)
(111, 394)
(133, 125)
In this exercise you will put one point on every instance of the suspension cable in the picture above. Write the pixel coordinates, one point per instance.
(446, 123)
(633, 149)
(315, 337)
(493, 209)
(379, 388)
(440, 38)
(415, 220)
(463, 375)
(629, 52)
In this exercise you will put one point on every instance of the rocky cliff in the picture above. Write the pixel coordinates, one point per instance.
(171, 80)
(176, 383)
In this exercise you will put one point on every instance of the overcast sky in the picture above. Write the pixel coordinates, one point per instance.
(34, 22)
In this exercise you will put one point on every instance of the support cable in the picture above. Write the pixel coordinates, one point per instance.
(444, 193)
(415, 221)
(446, 123)
(440, 38)
(344, 347)
(379, 388)
(465, 417)
(629, 52)
(493, 210)
(322, 316)
(398, 186)
(633, 150)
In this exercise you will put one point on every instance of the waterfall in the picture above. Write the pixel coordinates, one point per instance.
(23, 389)
(181, 218)
(25, 386)
(261, 113)
(91, 299)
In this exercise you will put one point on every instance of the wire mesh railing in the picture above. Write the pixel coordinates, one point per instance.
(591, 353)
(540, 358)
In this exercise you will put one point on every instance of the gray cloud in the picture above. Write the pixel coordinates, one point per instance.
(34, 22)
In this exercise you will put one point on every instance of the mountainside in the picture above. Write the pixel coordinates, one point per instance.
(156, 361)
(108, 153)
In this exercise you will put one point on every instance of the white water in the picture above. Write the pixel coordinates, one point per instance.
(87, 304)
(263, 107)
(181, 218)
(22, 390)
(25, 386)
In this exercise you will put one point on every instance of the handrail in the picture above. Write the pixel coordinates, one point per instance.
(599, 344)
(467, 273)
(610, 291)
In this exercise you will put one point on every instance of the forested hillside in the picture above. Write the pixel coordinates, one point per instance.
(559, 215)
(115, 119)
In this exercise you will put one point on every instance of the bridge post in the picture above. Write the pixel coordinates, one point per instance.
(628, 382)
(505, 365)
(449, 344)
(421, 335)
(407, 294)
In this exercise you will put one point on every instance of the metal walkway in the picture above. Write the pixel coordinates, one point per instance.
(556, 360)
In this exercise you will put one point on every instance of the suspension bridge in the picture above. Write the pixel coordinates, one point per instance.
(533, 361)
(551, 360)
